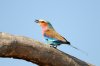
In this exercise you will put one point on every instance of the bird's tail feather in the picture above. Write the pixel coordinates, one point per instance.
(79, 49)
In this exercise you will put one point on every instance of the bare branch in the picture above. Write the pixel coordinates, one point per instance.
(33, 51)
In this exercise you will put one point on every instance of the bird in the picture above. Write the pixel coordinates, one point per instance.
(51, 35)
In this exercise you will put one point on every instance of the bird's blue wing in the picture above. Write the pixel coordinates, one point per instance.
(52, 41)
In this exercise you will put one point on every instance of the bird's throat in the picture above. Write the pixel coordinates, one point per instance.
(44, 28)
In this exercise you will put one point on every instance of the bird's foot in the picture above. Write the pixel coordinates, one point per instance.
(54, 46)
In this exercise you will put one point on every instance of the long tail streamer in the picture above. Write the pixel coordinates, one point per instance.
(79, 49)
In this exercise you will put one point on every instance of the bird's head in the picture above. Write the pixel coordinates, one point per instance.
(42, 23)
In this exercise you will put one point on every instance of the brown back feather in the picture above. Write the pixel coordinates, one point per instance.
(53, 34)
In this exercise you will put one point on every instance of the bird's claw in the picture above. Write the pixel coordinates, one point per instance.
(51, 45)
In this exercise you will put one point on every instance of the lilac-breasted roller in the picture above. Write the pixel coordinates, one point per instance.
(51, 36)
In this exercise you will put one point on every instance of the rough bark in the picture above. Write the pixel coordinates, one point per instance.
(25, 48)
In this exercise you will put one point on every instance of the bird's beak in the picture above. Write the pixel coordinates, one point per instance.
(37, 21)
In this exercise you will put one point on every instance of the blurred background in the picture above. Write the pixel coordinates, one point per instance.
(76, 20)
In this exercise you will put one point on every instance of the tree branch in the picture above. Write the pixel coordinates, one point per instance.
(31, 50)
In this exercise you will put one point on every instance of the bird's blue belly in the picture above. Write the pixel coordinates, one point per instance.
(52, 41)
